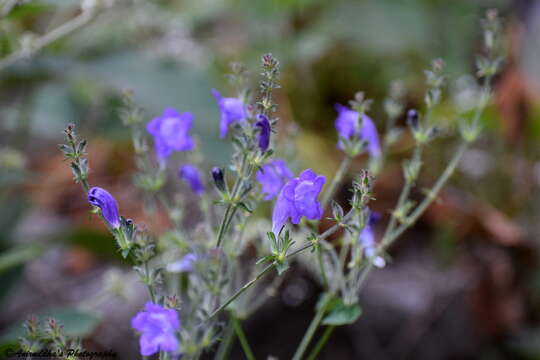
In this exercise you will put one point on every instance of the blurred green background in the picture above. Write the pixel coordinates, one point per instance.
(172, 53)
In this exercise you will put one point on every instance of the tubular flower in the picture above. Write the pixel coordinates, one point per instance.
(264, 133)
(102, 199)
(298, 198)
(171, 132)
(185, 264)
(348, 125)
(157, 326)
(272, 176)
(367, 239)
(191, 175)
(232, 110)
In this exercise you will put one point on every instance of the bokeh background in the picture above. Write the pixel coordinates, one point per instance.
(464, 283)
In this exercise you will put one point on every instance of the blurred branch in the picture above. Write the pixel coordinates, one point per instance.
(33, 45)
(7, 6)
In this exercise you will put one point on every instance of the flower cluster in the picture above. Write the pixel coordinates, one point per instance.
(195, 272)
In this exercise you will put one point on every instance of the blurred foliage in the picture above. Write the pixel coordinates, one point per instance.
(76, 324)
(170, 53)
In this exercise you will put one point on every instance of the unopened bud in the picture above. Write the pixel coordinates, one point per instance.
(219, 180)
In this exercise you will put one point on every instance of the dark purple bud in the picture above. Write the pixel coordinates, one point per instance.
(102, 199)
(374, 217)
(412, 119)
(217, 175)
(264, 133)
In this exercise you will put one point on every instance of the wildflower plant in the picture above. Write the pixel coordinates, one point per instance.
(200, 286)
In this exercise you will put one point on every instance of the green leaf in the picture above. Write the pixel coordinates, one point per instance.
(326, 300)
(342, 314)
(264, 259)
(245, 207)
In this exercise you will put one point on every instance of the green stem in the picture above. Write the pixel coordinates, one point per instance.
(389, 238)
(226, 344)
(231, 206)
(222, 226)
(343, 167)
(150, 289)
(242, 337)
(309, 333)
(269, 267)
(321, 267)
(432, 195)
(322, 341)
(404, 195)
(241, 290)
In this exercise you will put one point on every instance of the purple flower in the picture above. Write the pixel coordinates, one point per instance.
(348, 125)
(157, 326)
(105, 201)
(185, 264)
(232, 110)
(171, 132)
(367, 239)
(190, 174)
(272, 176)
(264, 134)
(298, 198)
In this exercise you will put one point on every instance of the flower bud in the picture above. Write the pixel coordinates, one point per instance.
(264, 133)
(217, 175)
(102, 199)
(412, 119)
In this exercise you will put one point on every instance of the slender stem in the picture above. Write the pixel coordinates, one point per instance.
(150, 289)
(231, 207)
(413, 217)
(322, 341)
(404, 195)
(241, 290)
(310, 332)
(322, 268)
(343, 167)
(432, 195)
(269, 267)
(242, 337)
(226, 344)
(222, 226)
